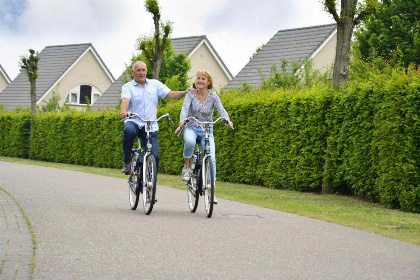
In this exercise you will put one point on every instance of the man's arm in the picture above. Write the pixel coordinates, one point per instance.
(124, 106)
(176, 94)
(179, 94)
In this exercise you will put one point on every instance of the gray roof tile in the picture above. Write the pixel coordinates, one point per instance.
(291, 45)
(111, 97)
(54, 62)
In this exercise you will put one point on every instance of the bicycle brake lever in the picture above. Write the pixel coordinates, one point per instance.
(171, 120)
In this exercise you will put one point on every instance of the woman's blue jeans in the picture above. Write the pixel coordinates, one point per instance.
(190, 138)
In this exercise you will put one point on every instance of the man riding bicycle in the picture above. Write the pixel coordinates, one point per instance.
(141, 96)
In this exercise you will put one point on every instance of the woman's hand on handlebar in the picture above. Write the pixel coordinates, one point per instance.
(229, 124)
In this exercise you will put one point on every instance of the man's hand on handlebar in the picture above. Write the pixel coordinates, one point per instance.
(123, 115)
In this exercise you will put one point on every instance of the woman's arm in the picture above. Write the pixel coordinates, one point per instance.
(221, 110)
(219, 107)
(186, 106)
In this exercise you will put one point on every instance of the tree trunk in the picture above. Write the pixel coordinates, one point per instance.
(33, 112)
(33, 98)
(342, 55)
(158, 58)
(156, 67)
(325, 188)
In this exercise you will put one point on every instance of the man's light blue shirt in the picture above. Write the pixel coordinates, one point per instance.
(144, 100)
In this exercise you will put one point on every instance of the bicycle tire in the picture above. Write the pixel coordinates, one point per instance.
(193, 194)
(208, 186)
(149, 188)
(133, 182)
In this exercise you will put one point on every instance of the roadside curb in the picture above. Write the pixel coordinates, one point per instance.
(17, 242)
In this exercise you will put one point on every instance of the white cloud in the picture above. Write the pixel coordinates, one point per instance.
(235, 27)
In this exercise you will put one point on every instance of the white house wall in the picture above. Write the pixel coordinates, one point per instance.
(202, 59)
(3, 82)
(324, 59)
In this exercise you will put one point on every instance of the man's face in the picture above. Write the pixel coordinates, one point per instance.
(140, 72)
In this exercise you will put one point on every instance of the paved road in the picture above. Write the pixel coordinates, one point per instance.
(84, 229)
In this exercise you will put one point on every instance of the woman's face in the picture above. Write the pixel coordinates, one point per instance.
(202, 82)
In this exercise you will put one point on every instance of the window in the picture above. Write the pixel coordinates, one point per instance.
(82, 94)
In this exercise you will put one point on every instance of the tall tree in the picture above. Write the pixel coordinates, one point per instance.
(30, 66)
(393, 33)
(161, 38)
(350, 15)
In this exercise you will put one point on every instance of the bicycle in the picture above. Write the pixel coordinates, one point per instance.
(196, 188)
(143, 170)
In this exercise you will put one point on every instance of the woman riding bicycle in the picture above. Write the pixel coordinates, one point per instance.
(200, 105)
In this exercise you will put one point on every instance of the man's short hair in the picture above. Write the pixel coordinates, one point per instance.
(136, 62)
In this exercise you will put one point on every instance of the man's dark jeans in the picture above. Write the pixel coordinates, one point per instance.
(131, 130)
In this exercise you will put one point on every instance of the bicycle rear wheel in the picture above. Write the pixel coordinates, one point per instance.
(134, 185)
(208, 186)
(193, 194)
(149, 188)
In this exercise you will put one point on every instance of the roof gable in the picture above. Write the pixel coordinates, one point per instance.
(3, 72)
(189, 45)
(290, 45)
(55, 62)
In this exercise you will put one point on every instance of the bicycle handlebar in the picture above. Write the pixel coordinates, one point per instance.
(207, 123)
(131, 115)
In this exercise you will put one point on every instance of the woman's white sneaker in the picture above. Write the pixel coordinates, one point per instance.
(186, 173)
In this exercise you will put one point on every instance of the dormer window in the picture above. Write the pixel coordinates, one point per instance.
(82, 94)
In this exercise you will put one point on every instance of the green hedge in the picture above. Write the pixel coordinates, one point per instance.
(363, 139)
(14, 134)
(85, 138)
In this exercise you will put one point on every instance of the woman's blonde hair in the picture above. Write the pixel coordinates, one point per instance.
(208, 75)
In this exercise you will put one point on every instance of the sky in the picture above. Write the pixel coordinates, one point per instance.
(235, 28)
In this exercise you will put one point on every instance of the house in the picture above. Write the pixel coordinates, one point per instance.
(4, 79)
(293, 45)
(75, 73)
(202, 56)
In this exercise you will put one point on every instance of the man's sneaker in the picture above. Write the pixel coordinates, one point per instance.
(186, 173)
(126, 168)
(214, 200)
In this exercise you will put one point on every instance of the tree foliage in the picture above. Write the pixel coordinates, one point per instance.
(256, 52)
(393, 33)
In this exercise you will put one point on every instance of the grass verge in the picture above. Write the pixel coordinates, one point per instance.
(342, 210)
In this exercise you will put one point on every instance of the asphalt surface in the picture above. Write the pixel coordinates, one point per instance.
(84, 229)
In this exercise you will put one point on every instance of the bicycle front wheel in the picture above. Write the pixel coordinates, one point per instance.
(149, 187)
(208, 186)
(134, 185)
(193, 194)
